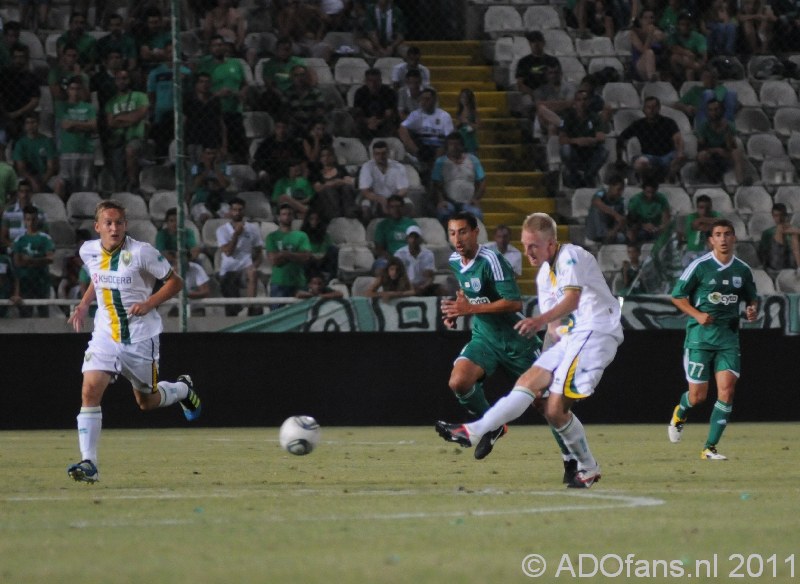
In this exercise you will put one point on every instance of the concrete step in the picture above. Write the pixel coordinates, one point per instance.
(429, 48)
(513, 192)
(496, 99)
(457, 86)
(450, 61)
(520, 179)
(510, 136)
(518, 205)
(464, 73)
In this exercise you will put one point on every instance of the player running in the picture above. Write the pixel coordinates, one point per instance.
(126, 327)
(488, 291)
(709, 292)
(583, 333)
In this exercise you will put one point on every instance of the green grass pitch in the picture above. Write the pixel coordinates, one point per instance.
(399, 505)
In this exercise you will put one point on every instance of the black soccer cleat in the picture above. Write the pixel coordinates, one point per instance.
(454, 433)
(584, 479)
(570, 470)
(486, 444)
(191, 403)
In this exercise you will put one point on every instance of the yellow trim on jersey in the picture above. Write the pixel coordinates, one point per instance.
(108, 299)
(570, 378)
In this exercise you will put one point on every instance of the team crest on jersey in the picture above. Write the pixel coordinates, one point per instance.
(737, 281)
(87, 357)
(476, 284)
(126, 257)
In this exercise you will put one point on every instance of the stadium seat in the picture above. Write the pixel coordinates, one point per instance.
(343, 230)
(680, 118)
(594, 47)
(338, 286)
(786, 121)
(752, 120)
(758, 223)
(600, 63)
(259, 71)
(611, 256)
(81, 205)
(686, 86)
(63, 233)
(51, 205)
(350, 70)
(386, 64)
(739, 227)
(350, 151)
(143, 230)
(209, 232)
(267, 227)
(720, 200)
(541, 18)
(793, 146)
(745, 94)
(789, 196)
(397, 150)
(580, 203)
(746, 251)
(337, 39)
(571, 68)
(775, 94)
(242, 176)
(432, 231)
(787, 281)
(161, 202)
(663, 90)
(557, 42)
(483, 233)
(135, 207)
(35, 49)
(256, 205)
(622, 45)
(624, 118)
(354, 260)
(764, 284)
(764, 146)
(257, 124)
(679, 200)
(777, 171)
(331, 98)
(321, 69)
(156, 178)
(621, 95)
(749, 200)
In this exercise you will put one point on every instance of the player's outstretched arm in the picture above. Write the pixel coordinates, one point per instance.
(172, 286)
(82, 309)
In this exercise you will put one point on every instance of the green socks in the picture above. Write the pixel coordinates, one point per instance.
(683, 406)
(474, 401)
(719, 420)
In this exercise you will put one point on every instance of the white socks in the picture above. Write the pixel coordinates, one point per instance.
(172, 392)
(90, 422)
(574, 437)
(504, 410)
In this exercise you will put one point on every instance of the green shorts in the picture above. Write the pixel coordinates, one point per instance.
(697, 363)
(515, 355)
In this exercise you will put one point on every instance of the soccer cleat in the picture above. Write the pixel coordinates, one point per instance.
(486, 444)
(84, 472)
(454, 433)
(675, 426)
(570, 469)
(583, 479)
(191, 403)
(710, 453)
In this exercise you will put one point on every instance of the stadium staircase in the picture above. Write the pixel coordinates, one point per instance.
(514, 187)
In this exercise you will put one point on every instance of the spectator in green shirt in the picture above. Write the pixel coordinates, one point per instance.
(76, 35)
(779, 247)
(696, 230)
(390, 233)
(64, 71)
(648, 213)
(694, 102)
(76, 120)
(688, 50)
(36, 159)
(118, 40)
(385, 29)
(288, 252)
(33, 253)
(167, 238)
(126, 115)
(717, 149)
(294, 190)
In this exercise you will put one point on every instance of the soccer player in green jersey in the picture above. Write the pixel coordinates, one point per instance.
(709, 292)
(489, 293)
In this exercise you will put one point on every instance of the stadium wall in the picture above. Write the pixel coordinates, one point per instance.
(366, 379)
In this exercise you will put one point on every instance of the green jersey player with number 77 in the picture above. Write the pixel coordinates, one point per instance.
(709, 291)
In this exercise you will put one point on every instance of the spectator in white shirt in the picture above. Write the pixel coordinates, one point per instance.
(411, 61)
(502, 243)
(423, 132)
(379, 179)
(419, 263)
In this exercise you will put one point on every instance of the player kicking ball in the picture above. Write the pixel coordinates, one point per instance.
(125, 340)
(583, 332)
(709, 292)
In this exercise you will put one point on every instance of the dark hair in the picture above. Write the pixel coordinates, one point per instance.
(32, 115)
(455, 136)
(412, 50)
(395, 199)
(616, 180)
(75, 15)
(714, 100)
(283, 41)
(402, 282)
(379, 144)
(20, 48)
(216, 37)
(170, 212)
(413, 73)
(650, 181)
(316, 234)
(779, 207)
(372, 71)
(471, 220)
(281, 207)
(199, 75)
(12, 26)
(535, 36)
(430, 90)
(237, 201)
(702, 199)
(30, 210)
(69, 47)
(721, 222)
(652, 98)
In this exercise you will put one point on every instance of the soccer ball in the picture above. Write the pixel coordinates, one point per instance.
(299, 435)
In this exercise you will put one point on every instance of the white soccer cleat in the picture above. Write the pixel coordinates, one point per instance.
(711, 453)
(675, 427)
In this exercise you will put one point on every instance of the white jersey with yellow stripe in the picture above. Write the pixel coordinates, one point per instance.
(575, 268)
(122, 278)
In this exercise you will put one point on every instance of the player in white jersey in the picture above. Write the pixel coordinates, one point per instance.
(123, 272)
(583, 332)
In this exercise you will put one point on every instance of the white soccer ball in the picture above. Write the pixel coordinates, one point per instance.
(299, 435)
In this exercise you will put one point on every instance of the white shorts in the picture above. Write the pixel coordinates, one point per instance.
(137, 362)
(577, 362)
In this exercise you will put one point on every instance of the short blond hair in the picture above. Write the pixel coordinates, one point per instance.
(541, 223)
(109, 204)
